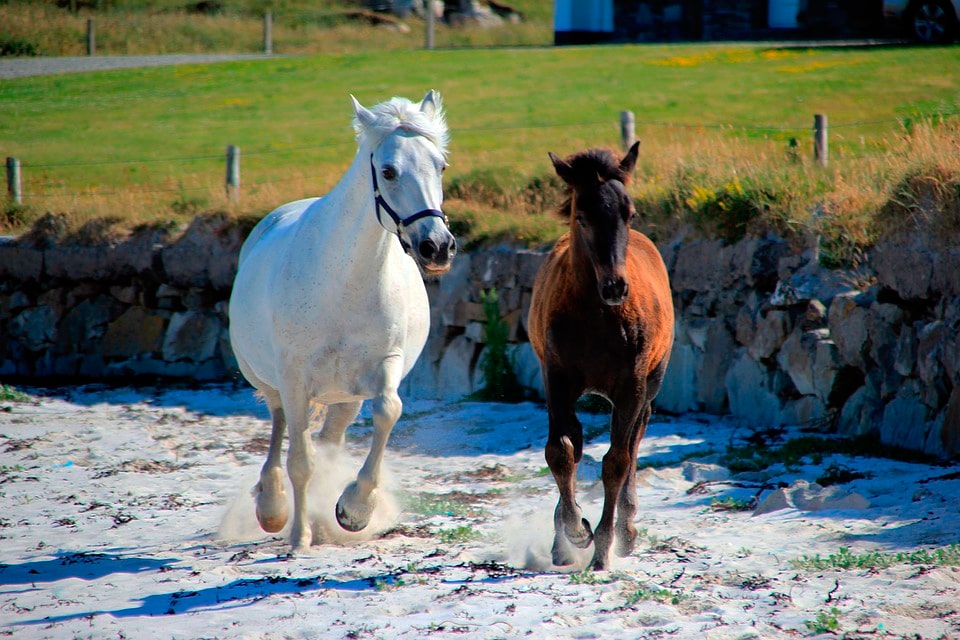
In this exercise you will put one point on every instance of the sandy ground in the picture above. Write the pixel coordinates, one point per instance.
(126, 513)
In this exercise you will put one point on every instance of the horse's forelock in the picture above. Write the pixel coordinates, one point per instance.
(401, 113)
(590, 167)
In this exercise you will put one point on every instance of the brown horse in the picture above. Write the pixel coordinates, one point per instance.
(601, 321)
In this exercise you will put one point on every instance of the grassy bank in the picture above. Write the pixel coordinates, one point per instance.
(726, 132)
(137, 27)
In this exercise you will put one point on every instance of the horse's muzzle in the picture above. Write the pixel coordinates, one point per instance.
(613, 290)
(436, 256)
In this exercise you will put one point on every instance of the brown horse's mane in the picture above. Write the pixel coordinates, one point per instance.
(593, 166)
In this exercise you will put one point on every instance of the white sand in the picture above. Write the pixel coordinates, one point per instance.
(115, 506)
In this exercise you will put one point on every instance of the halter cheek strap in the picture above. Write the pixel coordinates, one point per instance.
(400, 223)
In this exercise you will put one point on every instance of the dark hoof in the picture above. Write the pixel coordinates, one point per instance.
(349, 524)
(580, 539)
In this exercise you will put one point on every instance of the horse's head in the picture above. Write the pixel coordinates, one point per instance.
(600, 211)
(407, 157)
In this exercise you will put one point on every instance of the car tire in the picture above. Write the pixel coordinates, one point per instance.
(932, 21)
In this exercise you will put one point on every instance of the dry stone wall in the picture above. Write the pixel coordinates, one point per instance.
(763, 333)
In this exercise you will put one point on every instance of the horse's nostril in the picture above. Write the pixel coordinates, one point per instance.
(614, 290)
(428, 249)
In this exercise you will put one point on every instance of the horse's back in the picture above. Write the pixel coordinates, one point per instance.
(279, 218)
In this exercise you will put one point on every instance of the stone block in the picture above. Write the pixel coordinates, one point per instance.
(907, 268)
(772, 330)
(20, 263)
(191, 336)
(35, 327)
(678, 393)
(86, 323)
(455, 374)
(137, 331)
(750, 392)
(905, 352)
(699, 266)
(847, 320)
(904, 422)
(950, 426)
(719, 348)
(528, 264)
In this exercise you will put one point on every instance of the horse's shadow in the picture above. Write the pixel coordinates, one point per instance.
(239, 593)
(81, 565)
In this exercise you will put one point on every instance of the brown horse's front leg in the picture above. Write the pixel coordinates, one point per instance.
(563, 451)
(571, 529)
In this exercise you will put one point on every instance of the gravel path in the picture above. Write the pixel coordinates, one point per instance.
(23, 67)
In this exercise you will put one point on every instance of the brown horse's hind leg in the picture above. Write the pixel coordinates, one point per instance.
(626, 530)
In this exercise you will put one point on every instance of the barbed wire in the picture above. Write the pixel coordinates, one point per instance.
(900, 120)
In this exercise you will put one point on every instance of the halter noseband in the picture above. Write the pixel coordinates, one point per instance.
(380, 202)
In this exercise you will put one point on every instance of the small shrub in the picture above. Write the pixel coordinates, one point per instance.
(13, 46)
(500, 378)
(15, 215)
(825, 621)
(839, 474)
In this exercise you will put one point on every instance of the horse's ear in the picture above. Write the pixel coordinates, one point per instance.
(430, 104)
(563, 169)
(364, 116)
(630, 160)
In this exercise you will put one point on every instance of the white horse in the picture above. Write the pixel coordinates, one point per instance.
(329, 307)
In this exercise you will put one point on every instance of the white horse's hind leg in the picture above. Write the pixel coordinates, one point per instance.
(356, 504)
(339, 417)
(270, 492)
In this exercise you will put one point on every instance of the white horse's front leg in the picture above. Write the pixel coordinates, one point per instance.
(300, 464)
(270, 492)
(359, 499)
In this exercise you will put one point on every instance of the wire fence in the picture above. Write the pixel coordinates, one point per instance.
(16, 167)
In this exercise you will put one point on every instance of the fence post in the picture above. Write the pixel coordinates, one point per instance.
(268, 32)
(820, 139)
(91, 38)
(233, 173)
(627, 130)
(13, 180)
(430, 20)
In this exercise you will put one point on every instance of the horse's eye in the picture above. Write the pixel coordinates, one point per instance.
(389, 173)
(582, 221)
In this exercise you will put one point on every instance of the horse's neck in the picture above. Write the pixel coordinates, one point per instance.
(348, 211)
(582, 276)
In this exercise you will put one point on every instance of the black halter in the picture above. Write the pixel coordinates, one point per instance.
(400, 223)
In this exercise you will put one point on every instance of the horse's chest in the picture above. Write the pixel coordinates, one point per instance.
(597, 339)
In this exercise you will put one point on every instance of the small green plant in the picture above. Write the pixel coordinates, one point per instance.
(16, 215)
(186, 205)
(588, 576)
(845, 559)
(500, 378)
(655, 595)
(732, 504)
(839, 474)
(12, 394)
(825, 622)
(463, 533)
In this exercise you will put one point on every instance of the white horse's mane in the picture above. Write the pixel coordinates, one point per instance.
(401, 113)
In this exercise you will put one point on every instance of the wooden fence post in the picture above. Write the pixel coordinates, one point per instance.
(627, 129)
(430, 20)
(233, 173)
(91, 38)
(13, 180)
(268, 32)
(820, 139)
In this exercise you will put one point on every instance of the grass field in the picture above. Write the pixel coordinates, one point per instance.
(717, 124)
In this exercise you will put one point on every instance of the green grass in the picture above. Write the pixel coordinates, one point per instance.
(845, 559)
(12, 394)
(715, 121)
